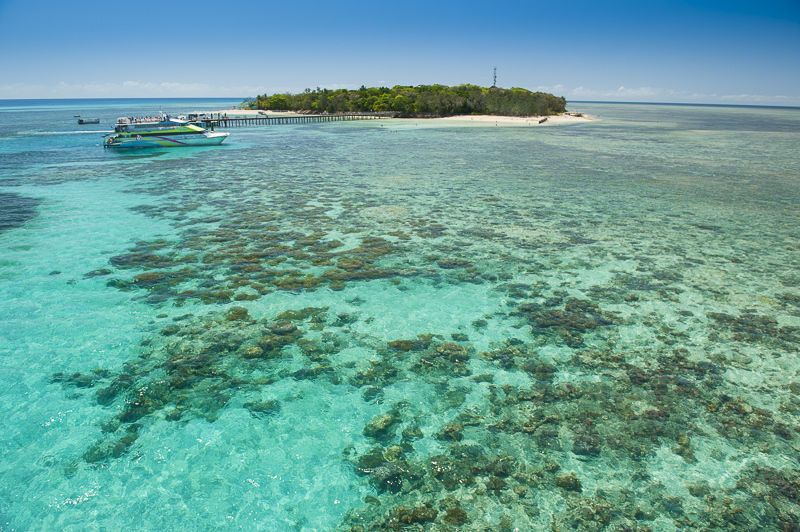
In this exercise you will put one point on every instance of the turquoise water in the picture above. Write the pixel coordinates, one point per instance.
(369, 325)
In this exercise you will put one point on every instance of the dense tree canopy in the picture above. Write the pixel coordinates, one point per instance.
(422, 100)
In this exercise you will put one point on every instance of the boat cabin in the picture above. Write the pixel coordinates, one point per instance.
(126, 124)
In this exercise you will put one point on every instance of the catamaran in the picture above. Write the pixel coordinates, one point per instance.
(160, 132)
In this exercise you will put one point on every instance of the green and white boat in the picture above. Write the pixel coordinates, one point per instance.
(161, 132)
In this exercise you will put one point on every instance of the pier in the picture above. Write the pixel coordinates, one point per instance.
(224, 122)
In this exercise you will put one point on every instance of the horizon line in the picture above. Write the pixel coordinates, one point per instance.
(696, 104)
(625, 102)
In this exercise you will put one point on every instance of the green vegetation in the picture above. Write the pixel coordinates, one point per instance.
(419, 101)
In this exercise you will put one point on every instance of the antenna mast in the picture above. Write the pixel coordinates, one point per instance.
(494, 77)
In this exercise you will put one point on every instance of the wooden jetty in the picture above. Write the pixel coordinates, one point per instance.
(266, 120)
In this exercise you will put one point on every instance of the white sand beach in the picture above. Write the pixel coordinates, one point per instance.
(251, 113)
(491, 120)
(458, 120)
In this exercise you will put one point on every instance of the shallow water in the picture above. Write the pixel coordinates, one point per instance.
(389, 324)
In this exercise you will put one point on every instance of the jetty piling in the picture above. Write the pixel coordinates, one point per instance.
(226, 122)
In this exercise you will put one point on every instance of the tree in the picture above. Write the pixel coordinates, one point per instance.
(278, 101)
(421, 100)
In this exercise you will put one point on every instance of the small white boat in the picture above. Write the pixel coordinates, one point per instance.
(164, 132)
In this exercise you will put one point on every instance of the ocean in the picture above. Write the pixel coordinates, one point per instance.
(401, 323)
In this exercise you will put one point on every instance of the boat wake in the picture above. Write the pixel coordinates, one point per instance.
(44, 133)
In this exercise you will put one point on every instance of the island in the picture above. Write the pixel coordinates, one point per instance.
(420, 101)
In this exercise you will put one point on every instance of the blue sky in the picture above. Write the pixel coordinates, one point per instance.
(649, 50)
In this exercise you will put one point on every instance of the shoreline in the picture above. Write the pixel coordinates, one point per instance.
(249, 113)
(488, 120)
(477, 120)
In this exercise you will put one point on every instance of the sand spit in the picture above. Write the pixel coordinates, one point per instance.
(566, 118)
(458, 120)
(251, 113)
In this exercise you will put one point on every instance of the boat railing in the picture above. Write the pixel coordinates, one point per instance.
(126, 120)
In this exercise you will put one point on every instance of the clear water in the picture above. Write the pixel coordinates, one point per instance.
(577, 327)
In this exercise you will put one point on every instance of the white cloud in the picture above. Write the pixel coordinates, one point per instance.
(656, 94)
(176, 89)
(127, 89)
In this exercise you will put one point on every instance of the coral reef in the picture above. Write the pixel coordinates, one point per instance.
(513, 365)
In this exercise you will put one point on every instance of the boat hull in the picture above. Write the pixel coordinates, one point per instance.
(209, 138)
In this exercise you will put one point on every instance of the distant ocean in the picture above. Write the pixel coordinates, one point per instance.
(394, 323)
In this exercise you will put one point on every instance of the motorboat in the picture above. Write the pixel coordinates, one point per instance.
(161, 131)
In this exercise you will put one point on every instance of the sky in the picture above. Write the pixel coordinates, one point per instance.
(704, 51)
